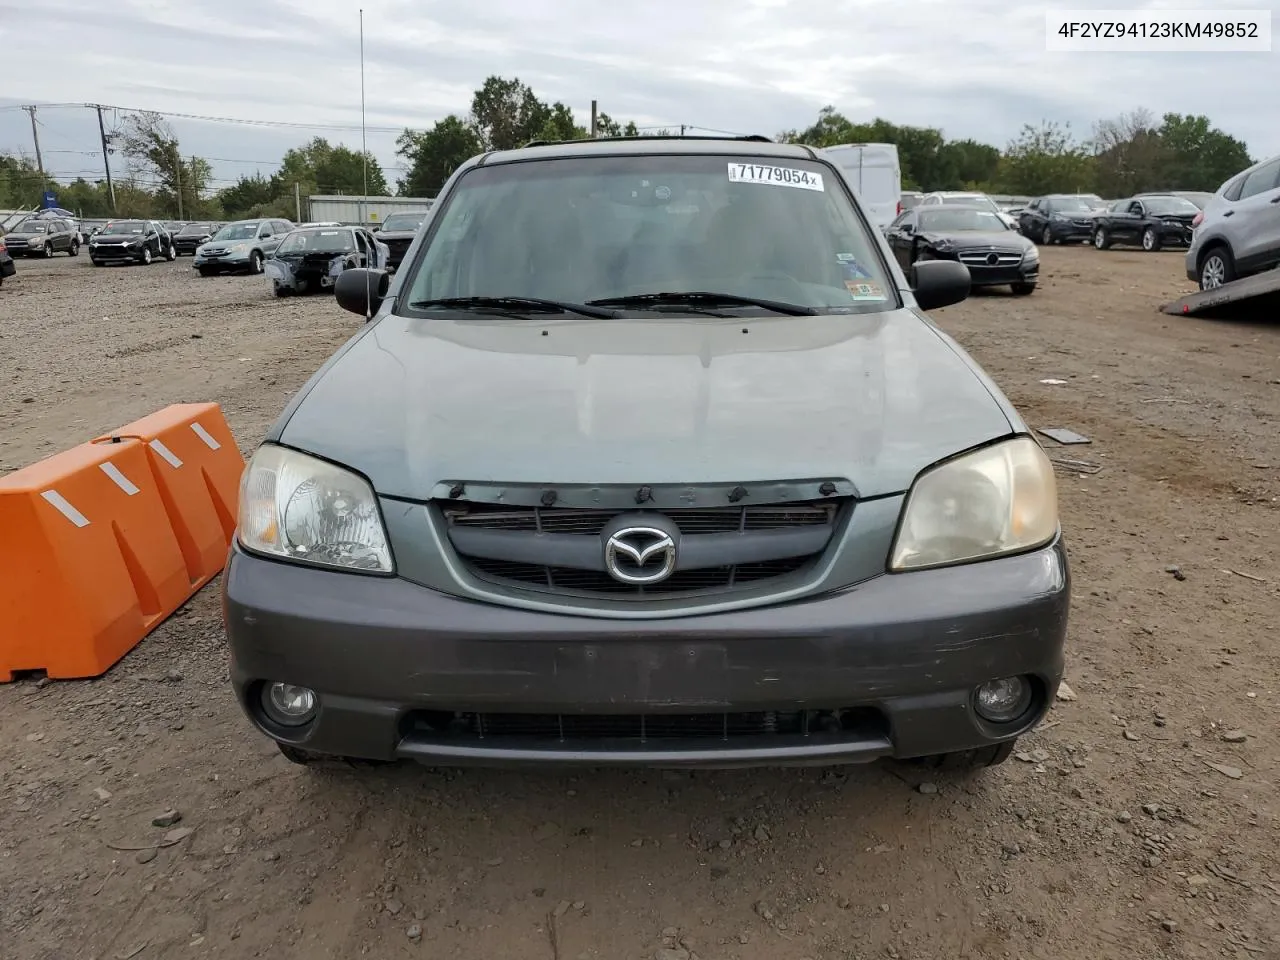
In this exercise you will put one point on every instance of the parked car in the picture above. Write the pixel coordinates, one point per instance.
(313, 258)
(648, 457)
(876, 175)
(7, 267)
(242, 246)
(1198, 197)
(1058, 218)
(1151, 220)
(43, 237)
(191, 236)
(91, 228)
(398, 231)
(994, 254)
(1238, 232)
(969, 200)
(131, 241)
(910, 199)
(58, 213)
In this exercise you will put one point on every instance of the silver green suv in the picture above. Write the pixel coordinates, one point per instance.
(1237, 234)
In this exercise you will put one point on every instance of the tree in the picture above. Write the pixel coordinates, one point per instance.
(970, 165)
(434, 154)
(20, 184)
(247, 196)
(150, 148)
(1129, 155)
(322, 167)
(1197, 156)
(506, 114)
(1046, 159)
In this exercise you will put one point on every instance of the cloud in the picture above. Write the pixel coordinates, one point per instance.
(975, 68)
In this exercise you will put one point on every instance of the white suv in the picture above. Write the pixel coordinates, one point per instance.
(1237, 234)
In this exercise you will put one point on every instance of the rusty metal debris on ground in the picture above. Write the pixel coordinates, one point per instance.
(1062, 435)
(1079, 466)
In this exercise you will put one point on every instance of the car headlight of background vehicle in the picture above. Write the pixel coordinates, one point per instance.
(301, 508)
(997, 500)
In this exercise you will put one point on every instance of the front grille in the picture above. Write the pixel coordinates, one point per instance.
(982, 258)
(506, 545)
(592, 581)
(690, 521)
(642, 728)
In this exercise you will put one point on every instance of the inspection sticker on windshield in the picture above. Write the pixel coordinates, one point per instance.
(777, 176)
(860, 290)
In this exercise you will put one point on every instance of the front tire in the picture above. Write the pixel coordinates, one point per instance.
(1217, 267)
(146, 256)
(1150, 240)
(171, 254)
(255, 262)
(48, 251)
(1023, 289)
(1101, 239)
(1046, 236)
(75, 248)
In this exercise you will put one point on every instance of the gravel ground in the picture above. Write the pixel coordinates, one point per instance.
(1140, 821)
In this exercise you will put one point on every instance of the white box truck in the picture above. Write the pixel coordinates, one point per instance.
(876, 175)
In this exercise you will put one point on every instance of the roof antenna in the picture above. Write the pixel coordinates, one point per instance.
(364, 194)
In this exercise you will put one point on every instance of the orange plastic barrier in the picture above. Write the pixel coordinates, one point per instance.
(90, 563)
(197, 466)
(102, 542)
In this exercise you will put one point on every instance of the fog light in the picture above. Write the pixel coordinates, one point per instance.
(289, 705)
(1003, 700)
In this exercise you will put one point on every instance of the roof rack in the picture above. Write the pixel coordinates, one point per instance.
(753, 137)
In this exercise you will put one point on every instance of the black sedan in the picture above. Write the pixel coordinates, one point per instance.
(131, 241)
(1058, 218)
(191, 236)
(995, 254)
(398, 231)
(1152, 221)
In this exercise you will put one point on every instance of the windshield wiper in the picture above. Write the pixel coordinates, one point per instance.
(704, 298)
(516, 304)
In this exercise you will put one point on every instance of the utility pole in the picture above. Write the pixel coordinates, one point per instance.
(297, 200)
(106, 162)
(177, 175)
(35, 136)
(682, 129)
(593, 119)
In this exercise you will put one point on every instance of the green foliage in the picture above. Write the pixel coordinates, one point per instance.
(1127, 154)
(1046, 159)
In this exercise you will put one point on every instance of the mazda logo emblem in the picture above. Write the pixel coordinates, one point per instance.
(640, 555)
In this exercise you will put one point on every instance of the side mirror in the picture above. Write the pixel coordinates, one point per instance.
(907, 228)
(938, 283)
(375, 228)
(362, 291)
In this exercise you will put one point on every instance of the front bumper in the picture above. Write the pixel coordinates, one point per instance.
(1176, 236)
(231, 262)
(980, 276)
(907, 649)
(1065, 232)
(115, 254)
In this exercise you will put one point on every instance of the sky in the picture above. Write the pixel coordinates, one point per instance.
(288, 70)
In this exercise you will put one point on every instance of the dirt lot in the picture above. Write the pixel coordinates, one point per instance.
(1141, 821)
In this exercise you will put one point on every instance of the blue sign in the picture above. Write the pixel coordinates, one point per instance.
(50, 199)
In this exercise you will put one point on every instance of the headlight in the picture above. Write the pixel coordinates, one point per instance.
(997, 500)
(239, 247)
(295, 506)
(1059, 217)
(1031, 254)
(942, 245)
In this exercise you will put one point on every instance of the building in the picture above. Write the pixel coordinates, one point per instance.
(363, 209)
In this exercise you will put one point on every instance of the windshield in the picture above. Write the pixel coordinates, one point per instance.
(238, 231)
(125, 226)
(589, 228)
(959, 218)
(404, 221)
(973, 200)
(317, 241)
(194, 229)
(1169, 206)
(1070, 205)
(33, 226)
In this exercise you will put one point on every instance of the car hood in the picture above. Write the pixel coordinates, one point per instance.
(997, 239)
(872, 398)
(396, 234)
